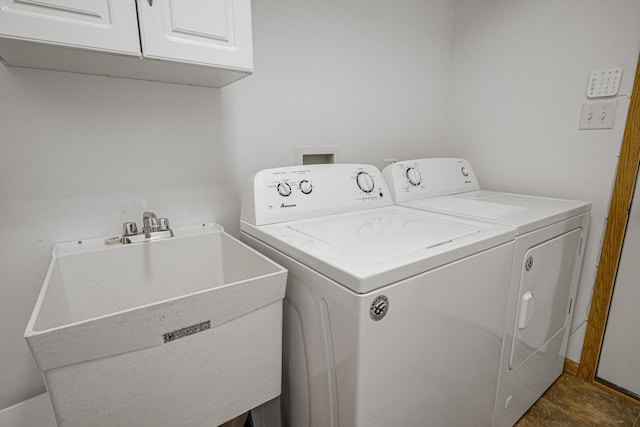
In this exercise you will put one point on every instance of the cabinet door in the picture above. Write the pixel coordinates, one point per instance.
(106, 25)
(206, 32)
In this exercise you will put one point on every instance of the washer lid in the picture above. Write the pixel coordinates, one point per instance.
(369, 249)
(383, 235)
(523, 212)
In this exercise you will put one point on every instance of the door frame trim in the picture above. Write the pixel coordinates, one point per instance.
(613, 238)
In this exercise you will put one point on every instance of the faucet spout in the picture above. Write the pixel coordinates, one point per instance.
(153, 228)
(149, 223)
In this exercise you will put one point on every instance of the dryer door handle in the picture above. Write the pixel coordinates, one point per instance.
(526, 310)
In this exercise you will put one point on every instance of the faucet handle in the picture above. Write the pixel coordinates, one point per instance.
(163, 224)
(129, 229)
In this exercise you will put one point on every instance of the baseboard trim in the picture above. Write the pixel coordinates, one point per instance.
(570, 367)
(611, 388)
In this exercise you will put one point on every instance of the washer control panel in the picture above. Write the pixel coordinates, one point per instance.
(298, 192)
(421, 178)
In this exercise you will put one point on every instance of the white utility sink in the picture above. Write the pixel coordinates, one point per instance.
(179, 332)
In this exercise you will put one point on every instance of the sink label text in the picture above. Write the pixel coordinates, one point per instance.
(185, 332)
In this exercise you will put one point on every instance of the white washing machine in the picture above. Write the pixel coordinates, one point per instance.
(392, 316)
(548, 256)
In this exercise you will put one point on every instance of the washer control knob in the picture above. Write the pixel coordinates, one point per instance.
(284, 189)
(365, 182)
(464, 171)
(305, 186)
(413, 175)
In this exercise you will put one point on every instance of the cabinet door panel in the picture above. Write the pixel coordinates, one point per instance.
(208, 32)
(211, 21)
(107, 25)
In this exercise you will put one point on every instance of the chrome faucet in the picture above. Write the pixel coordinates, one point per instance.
(153, 228)
(149, 223)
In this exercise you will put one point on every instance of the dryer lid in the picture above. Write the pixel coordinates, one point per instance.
(465, 207)
(524, 212)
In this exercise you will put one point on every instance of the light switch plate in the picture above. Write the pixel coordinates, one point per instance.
(598, 115)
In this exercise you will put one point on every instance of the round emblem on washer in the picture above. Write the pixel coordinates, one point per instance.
(529, 263)
(379, 307)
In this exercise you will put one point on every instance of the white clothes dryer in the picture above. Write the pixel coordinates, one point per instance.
(548, 257)
(392, 316)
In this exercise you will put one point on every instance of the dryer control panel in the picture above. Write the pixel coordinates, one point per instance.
(421, 178)
(309, 191)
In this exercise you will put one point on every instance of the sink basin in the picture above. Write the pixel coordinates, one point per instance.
(182, 331)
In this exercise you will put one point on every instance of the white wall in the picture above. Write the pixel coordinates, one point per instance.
(519, 77)
(79, 155)
(368, 76)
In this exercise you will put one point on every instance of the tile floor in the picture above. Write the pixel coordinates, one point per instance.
(572, 402)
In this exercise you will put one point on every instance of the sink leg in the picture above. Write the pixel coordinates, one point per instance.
(267, 414)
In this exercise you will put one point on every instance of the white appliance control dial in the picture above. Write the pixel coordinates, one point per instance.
(464, 171)
(284, 189)
(413, 175)
(365, 182)
(305, 186)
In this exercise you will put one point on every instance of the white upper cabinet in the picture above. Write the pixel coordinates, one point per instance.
(210, 32)
(200, 42)
(109, 25)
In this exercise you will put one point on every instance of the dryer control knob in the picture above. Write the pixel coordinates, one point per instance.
(413, 175)
(365, 182)
(284, 189)
(305, 186)
(464, 171)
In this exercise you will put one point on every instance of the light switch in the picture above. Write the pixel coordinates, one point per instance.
(598, 115)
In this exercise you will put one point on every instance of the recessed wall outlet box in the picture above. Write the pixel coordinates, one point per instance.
(598, 115)
(317, 155)
(604, 83)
